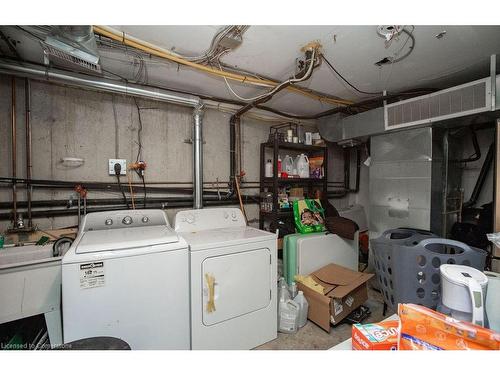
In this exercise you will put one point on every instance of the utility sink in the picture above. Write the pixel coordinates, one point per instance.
(24, 255)
(30, 284)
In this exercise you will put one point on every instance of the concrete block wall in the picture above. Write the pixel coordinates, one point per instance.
(70, 122)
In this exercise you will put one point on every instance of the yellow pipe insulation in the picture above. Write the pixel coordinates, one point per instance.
(163, 53)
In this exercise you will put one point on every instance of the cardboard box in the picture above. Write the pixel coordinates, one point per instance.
(376, 336)
(344, 291)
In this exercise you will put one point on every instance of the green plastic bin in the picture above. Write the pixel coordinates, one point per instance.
(290, 254)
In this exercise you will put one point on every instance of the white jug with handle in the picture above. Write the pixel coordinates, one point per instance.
(288, 164)
(302, 163)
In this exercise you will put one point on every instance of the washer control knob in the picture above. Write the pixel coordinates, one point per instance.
(226, 215)
(127, 220)
(233, 215)
(108, 222)
(145, 219)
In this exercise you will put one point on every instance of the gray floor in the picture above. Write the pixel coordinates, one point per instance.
(312, 336)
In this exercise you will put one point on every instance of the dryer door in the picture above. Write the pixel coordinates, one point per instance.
(235, 285)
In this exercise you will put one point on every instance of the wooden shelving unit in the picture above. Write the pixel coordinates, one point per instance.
(273, 184)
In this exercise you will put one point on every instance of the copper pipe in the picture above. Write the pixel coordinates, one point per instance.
(14, 150)
(29, 166)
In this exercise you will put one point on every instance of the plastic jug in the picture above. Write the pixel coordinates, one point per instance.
(284, 294)
(288, 316)
(302, 163)
(288, 165)
(303, 308)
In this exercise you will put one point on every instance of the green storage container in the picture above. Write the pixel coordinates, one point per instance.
(290, 254)
(305, 253)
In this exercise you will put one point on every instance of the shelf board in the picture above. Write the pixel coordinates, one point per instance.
(285, 181)
(295, 146)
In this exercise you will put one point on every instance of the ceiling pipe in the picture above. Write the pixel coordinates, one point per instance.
(198, 158)
(29, 164)
(101, 84)
(95, 83)
(13, 149)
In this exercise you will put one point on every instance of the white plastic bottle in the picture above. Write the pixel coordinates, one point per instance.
(269, 168)
(288, 310)
(303, 308)
(288, 165)
(284, 294)
(288, 316)
(293, 289)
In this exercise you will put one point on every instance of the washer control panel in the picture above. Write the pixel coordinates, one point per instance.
(209, 218)
(123, 219)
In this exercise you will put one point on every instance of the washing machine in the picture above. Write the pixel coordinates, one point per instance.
(126, 276)
(233, 279)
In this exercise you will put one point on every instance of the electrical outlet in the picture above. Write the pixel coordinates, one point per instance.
(111, 166)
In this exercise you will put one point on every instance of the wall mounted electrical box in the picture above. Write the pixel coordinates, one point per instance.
(123, 164)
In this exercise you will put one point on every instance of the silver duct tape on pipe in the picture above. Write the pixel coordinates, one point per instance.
(198, 157)
(95, 83)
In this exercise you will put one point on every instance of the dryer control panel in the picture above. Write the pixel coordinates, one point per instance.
(209, 218)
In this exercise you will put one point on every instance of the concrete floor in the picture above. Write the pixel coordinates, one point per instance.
(312, 337)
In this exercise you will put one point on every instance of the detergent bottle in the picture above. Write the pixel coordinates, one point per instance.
(288, 310)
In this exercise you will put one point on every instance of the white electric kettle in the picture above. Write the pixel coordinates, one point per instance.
(463, 292)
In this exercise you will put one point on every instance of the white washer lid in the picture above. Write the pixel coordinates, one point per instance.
(458, 274)
(126, 238)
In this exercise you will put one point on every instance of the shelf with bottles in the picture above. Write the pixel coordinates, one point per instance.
(301, 168)
(289, 171)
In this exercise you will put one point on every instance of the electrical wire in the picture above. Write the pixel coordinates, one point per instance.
(234, 93)
(144, 187)
(121, 189)
(163, 53)
(410, 49)
(228, 71)
(345, 80)
(410, 35)
(139, 132)
(139, 152)
(280, 86)
(131, 190)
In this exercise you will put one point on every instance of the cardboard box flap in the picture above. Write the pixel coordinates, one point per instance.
(334, 274)
(327, 287)
(343, 290)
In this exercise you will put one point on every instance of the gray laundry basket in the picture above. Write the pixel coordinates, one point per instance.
(409, 272)
(381, 250)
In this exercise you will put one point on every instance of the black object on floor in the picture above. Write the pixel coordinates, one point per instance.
(358, 315)
(96, 343)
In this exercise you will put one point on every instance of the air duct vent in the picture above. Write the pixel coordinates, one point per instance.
(72, 47)
(470, 98)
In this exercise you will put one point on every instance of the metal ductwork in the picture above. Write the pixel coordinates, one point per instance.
(456, 106)
(72, 47)
(105, 85)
